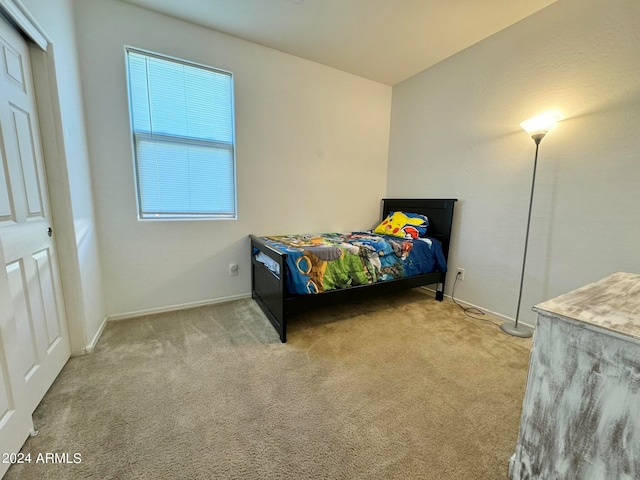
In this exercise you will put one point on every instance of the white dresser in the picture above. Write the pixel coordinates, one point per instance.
(581, 411)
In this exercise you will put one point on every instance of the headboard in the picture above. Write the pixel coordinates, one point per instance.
(439, 211)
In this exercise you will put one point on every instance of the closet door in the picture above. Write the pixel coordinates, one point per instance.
(33, 336)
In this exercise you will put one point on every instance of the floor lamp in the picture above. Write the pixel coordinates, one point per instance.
(537, 127)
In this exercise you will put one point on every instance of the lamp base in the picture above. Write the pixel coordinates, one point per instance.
(521, 331)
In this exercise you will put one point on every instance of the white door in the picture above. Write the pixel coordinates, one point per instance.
(34, 344)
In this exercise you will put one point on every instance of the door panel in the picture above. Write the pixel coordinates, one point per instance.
(13, 66)
(6, 406)
(22, 124)
(15, 419)
(15, 423)
(26, 355)
(48, 297)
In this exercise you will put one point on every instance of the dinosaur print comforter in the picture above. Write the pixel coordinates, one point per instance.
(320, 262)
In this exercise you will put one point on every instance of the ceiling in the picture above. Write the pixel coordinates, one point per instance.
(386, 41)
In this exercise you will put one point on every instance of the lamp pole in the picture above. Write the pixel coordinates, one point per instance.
(537, 127)
(515, 330)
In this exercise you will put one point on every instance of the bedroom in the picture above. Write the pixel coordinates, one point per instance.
(450, 131)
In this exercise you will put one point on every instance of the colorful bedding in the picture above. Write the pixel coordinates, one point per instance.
(321, 262)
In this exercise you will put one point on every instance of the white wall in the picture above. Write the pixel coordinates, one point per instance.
(68, 171)
(312, 146)
(455, 133)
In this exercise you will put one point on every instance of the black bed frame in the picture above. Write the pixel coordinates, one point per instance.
(270, 290)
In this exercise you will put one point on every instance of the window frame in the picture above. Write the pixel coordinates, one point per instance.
(178, 139)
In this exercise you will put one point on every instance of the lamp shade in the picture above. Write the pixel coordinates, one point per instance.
(540, 125)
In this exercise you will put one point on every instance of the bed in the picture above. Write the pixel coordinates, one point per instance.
(279, 295)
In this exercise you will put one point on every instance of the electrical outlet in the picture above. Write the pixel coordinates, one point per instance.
(233, 269)
(460, 273)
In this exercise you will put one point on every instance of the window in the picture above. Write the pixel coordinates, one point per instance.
(183, 137)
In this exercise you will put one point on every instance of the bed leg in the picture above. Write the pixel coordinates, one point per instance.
(440, 292)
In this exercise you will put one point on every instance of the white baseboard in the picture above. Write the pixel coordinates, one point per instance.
(172, 308)
(488, 312)
(94, 341)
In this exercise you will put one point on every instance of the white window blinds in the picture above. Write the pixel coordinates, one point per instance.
(183, 135)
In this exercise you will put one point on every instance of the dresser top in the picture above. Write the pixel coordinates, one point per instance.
(612, 303)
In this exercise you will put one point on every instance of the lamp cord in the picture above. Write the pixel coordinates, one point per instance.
(468, 311)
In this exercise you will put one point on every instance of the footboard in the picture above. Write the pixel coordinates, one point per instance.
(268, 288)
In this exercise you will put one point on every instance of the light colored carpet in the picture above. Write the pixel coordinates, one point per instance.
(401, 387)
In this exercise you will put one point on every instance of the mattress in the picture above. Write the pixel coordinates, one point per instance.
(318, 263)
